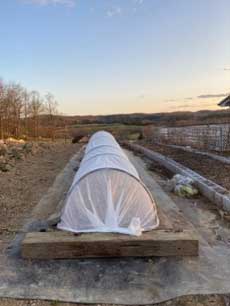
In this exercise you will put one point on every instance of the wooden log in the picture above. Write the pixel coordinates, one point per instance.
(63, 245)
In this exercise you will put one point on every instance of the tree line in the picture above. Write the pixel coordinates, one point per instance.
(26, 113)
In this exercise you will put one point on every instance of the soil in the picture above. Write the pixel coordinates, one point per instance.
(23, 186)
(205, 166)
(21, 189)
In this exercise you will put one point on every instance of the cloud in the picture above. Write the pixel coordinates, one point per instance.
(170, 100)
(176, 100)
(142, 96)
(182, 106)
(208, 96)
(115, 11)
(69, 3)
(139, 2)
(190, 106)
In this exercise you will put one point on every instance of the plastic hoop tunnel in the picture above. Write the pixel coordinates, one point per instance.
(107, 194)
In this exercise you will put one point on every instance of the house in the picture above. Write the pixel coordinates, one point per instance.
(225, 102)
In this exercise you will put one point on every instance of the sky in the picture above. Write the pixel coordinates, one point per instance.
(119, 56)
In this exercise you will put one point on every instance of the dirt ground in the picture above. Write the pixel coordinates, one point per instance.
(209, 168)
(210, 300)
(21, 189)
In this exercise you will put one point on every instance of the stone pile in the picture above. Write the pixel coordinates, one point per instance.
(12, 150)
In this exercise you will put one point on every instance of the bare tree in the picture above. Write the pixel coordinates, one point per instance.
(36, 108)
(21, 112)
(1, 108)
(25, 111)
(51, 109)
(15, 102)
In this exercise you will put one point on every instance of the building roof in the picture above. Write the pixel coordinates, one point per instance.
(225, 102)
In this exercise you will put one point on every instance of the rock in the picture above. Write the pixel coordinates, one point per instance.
(84, 139)
(35, 148)
(13, 150)
(16, 153)
(182, 186)
(28, 148)
(3, 149)
(187, 191)
(4, 167)
(179, 179)
(77, 138)
(7, 167)
(226, 216)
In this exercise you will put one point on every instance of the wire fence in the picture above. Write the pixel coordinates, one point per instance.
(205, 137)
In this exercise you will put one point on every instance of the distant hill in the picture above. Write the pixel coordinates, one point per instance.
(157, 119)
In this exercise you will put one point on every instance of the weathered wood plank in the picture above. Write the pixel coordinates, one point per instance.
(165, 222)
(63, 245)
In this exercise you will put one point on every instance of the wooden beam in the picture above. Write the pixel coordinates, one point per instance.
(63, 245)
(165, 223)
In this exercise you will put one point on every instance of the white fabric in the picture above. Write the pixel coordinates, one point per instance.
(103, 152)
(107, 194)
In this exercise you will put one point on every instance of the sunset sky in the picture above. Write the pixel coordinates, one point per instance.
(119, 56)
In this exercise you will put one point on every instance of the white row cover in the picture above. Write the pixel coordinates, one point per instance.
(107, 194)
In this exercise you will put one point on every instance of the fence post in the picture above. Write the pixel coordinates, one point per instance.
(221, 140)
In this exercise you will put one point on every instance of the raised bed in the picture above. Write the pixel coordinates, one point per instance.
(214, 192)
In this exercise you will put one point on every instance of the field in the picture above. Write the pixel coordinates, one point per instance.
(24, 185)
(121, 131)
(34, 166)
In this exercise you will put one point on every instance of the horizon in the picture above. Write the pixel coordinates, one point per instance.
(145, 113)
(116, 57)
